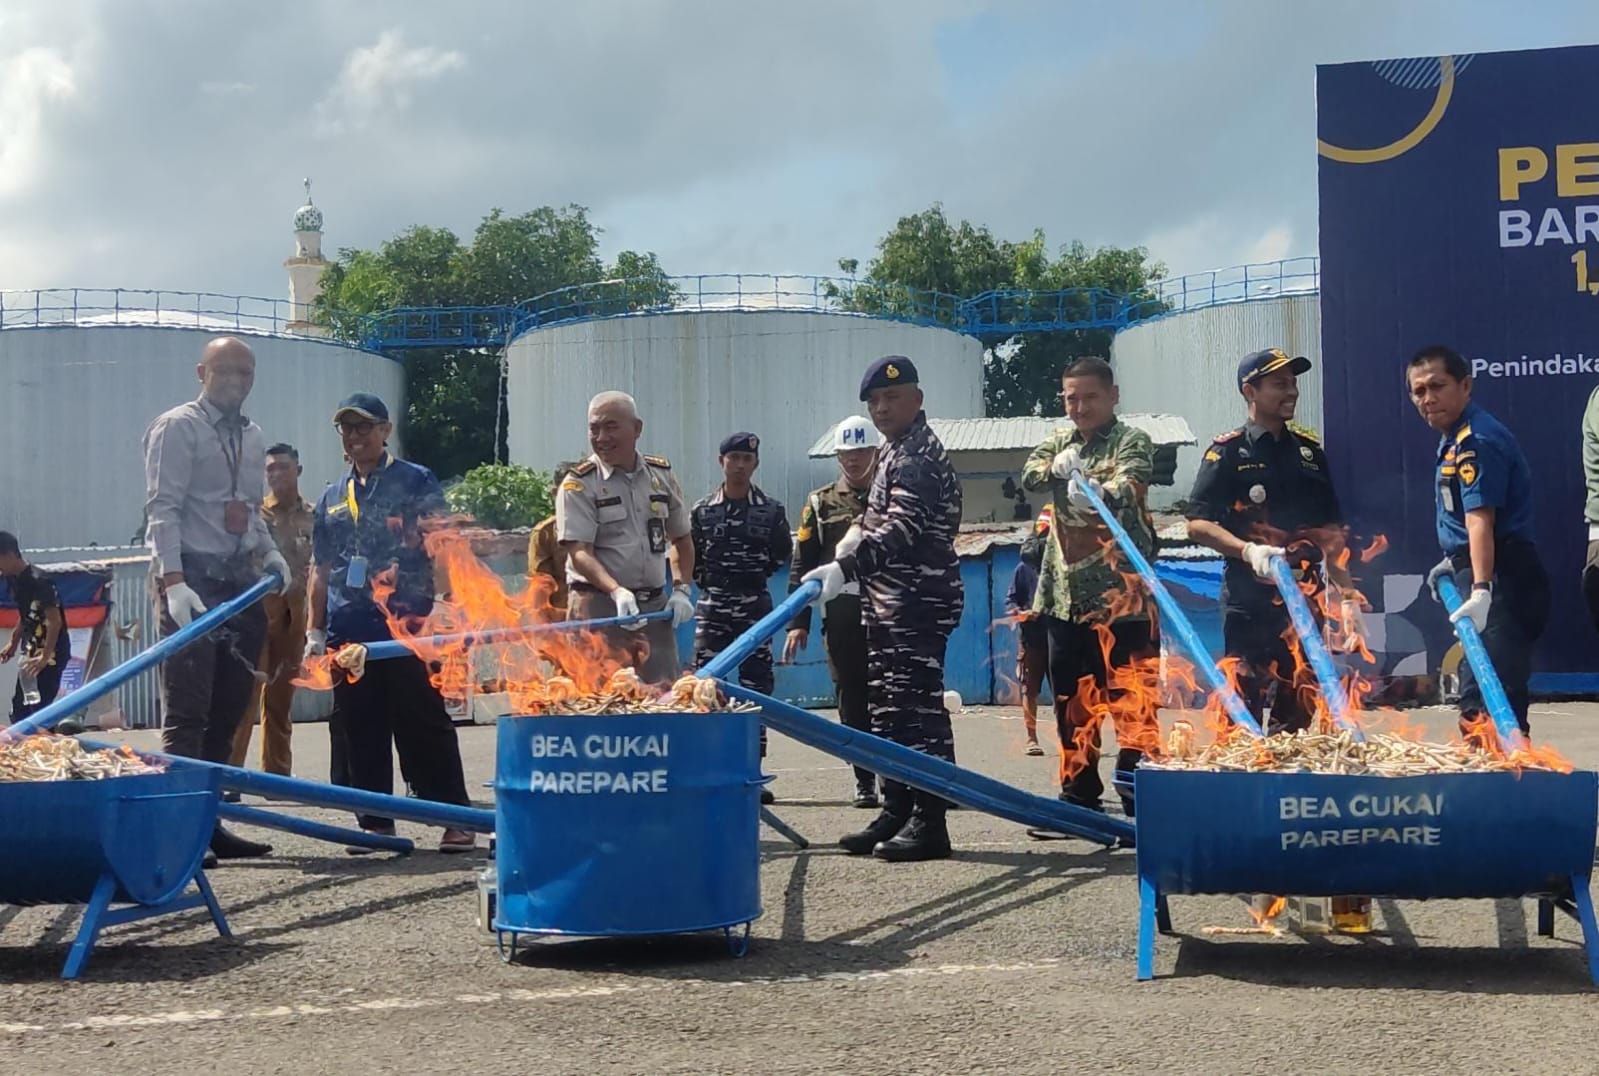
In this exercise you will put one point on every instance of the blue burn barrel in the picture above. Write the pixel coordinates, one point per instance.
(627, 825)
(1454, 835)
(147, 832)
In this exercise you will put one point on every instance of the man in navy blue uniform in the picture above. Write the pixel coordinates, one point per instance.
(365, 524)
(1483, 498)
(903, 556)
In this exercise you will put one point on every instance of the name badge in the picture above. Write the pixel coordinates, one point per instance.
(657, 529)
(236, 517)
(355, 575)
(1448, 493)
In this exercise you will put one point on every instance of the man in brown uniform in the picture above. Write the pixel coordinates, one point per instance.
(288, 517)
(618, 516)
(544, 553)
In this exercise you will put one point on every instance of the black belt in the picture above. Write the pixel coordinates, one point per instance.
(739, 582)
(643, 594)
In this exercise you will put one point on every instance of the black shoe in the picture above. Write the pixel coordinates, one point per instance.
(767, 797)
(866, 798)
(208, 861)
(230, 797)
(1087, 805)
(231, 846)
(924, 837)
(881, 828)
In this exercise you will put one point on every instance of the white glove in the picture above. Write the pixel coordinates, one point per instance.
(274, 562)
(1080, 500)
(850, 542)
(1475, 608)
(183, 603)
(1258, 557)
(316, 643)
(1442, 570)
(1066, 461)
(627, 606)
(831, 576)
(682, 609)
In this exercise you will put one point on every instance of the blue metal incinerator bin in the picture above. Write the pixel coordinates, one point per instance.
(629, 824)
(1434, 836)
(135, 840)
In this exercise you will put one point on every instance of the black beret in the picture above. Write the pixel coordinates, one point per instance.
(740, 442)
(886, 371)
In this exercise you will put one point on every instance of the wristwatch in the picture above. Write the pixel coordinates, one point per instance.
(1489, 587)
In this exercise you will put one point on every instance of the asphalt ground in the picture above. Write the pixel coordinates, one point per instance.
(1014, 956)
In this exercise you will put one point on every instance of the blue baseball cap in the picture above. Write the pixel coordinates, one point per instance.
(1258, 364)
(886, 371)
(364, 404)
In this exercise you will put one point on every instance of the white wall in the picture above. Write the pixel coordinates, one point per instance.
(75, 402)
(698, 376)
(1187, 364)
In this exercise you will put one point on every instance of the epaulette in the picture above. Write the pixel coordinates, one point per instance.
(1223, 438)
(659, 461)
(1465, 432)
(1305, 433)
(584, 468)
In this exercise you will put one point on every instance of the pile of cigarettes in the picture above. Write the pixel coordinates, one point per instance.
(1379, 755)
(625, 693)
(62, 758)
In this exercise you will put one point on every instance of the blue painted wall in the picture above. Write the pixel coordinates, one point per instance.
(981, 660)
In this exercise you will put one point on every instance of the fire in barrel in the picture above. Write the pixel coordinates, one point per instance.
(102, 828)
(622, 808)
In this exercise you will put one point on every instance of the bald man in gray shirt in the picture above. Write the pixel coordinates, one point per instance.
(205, 476)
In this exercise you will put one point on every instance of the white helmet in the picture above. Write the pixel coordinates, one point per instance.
(854, 432)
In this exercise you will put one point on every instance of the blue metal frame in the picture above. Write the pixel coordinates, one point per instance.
(1002, 313)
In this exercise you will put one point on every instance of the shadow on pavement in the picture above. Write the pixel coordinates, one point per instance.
(1455, 969)
(888, 941)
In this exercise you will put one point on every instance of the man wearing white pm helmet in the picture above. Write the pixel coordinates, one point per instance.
(829, 514)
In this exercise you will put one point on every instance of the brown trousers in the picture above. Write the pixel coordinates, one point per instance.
(651, 650)
(270, 706)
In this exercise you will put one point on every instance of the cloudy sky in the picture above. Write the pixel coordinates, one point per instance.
(162, 144)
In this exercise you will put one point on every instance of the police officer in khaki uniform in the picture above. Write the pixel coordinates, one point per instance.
(828, 514)
(619, 516)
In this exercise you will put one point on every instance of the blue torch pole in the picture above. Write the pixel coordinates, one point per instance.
(1493, 692)
(1321, 662)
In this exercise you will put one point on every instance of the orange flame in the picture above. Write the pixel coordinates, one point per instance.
(537, 671)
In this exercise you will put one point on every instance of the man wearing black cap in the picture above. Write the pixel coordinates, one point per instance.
(741, 539)
(904, 557)
(1264, 490)
(367, 523)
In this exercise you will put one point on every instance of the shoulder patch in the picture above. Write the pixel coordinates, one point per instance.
(1221, 439)
(659, 461)
(584, 468)
(1305, 433)
(572, 485)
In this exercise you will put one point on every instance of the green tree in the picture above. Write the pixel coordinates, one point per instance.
(502, 496)
(924, 259)
(452, 393)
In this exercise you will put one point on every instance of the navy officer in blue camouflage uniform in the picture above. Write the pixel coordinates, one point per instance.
(904, 558)
(367, 523)
(1483, 499)
(741, 540)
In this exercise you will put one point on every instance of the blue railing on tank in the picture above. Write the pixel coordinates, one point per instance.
(990, 314)
(135, 306)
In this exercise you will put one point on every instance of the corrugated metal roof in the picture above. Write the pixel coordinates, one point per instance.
(1011, 434)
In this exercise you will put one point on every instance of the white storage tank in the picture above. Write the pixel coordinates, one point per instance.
(700, 375)
(1187, 364)
(75, 400)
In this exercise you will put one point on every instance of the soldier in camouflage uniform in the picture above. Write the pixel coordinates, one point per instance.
(1080, 589)
(828, 515)
(904, 557)
(741, 539)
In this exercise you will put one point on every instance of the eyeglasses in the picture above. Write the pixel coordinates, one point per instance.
(355, 429)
